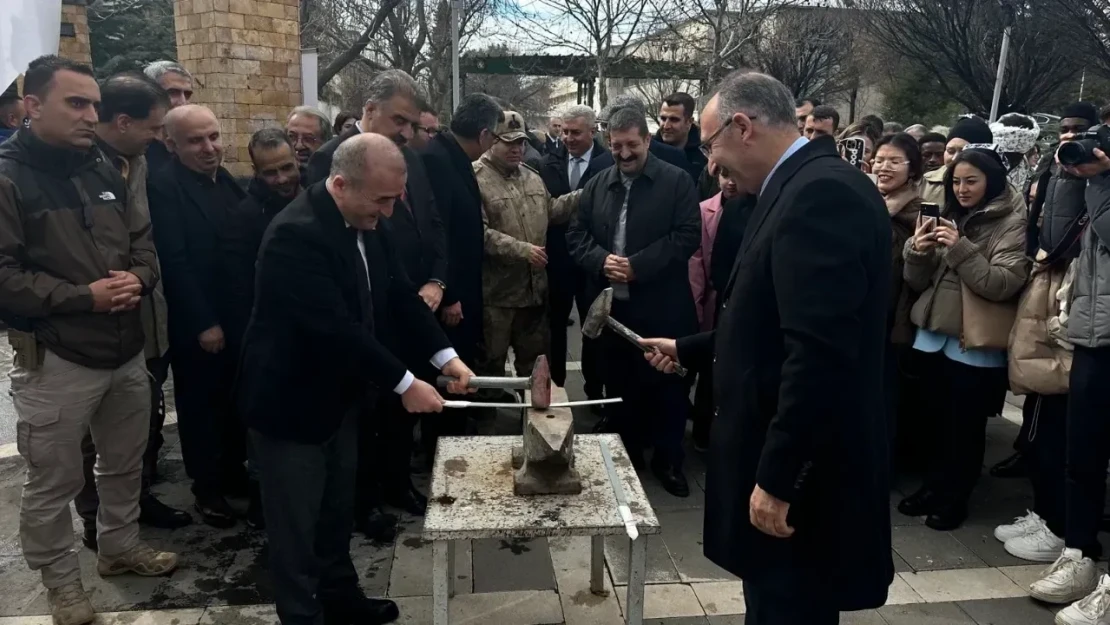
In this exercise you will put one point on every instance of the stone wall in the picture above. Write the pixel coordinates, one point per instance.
(246, 57)
(74, 44)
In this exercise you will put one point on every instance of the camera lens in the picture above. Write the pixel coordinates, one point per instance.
(1076, 152)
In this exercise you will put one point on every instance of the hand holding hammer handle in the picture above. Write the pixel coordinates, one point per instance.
(488, 381)
(627, 334)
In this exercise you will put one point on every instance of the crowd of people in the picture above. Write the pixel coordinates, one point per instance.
(305, 313)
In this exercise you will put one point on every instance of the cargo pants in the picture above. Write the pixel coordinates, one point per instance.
(55, 406)
(524, 329)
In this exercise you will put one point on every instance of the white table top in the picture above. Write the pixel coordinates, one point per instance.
(472, 493)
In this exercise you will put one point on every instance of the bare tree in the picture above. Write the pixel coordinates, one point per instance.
(1090, 20)
(808, 48)
(958, 42)
(528, 95)
(608, 31)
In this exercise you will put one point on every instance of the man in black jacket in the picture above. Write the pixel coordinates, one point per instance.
(331, 292)
(191, 203)
(564, 171)
(798, 503)
(677, 129)
(638, 225)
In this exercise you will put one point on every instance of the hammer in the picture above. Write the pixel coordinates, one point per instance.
(539, 383)
(598, 318)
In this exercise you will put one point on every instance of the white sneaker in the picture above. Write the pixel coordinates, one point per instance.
(1094, 609)
(1038, 546)
(1070, 578)
(1021, 526)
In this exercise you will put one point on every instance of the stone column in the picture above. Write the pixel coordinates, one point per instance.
(74, 44)
(246, 57)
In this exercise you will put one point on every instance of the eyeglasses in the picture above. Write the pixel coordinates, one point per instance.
(893, 162)
(706, 146)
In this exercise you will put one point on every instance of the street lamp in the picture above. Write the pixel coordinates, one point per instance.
(456, 9)
(1009, 9)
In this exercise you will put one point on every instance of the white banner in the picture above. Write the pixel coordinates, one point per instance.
(28, 30)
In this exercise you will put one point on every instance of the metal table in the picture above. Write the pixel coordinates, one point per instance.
(472, 498)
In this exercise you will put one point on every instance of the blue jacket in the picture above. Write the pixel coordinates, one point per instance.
(5, 133)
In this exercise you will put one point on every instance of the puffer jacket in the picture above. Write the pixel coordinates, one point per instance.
(904, 206)
(1089, 315)
(932, 186)
(67, 218)
(989, 258)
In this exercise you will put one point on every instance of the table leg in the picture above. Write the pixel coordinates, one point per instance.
(442, 572)
(597, 565)
(634, 599)
(451, 568)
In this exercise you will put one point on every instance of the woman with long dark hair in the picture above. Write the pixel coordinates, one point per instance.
(969, 266)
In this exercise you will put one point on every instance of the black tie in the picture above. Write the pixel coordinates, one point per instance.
(363, 283)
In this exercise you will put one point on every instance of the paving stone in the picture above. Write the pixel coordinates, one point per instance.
(683, 620)
(900, 565)
(1020, 611)
(731, 619)
(411, 571)
(512, 564)
(20, 586)
(241, 615)
(374, 560)
(720, 597)
(962, 585)
(660, 568)
(897, 518)
(925, 614)
(1024, 575)
(570, 558)
(867, 617)
(900, 593)
(980, 540)
(662, 501)
(247, 580)
(682, 534)
(925, 549)
(522, 607)
(666, 601)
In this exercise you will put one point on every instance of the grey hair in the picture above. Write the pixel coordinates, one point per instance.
(156, 70)
(758, 96)
(311, 111)
(626, 119)
(579, 111)
(391, 83)
(268, 139)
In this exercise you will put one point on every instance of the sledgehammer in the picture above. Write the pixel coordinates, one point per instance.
(598, 318)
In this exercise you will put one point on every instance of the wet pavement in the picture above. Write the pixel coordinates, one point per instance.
(962, 577)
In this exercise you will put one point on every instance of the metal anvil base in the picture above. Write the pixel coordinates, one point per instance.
(545, 462)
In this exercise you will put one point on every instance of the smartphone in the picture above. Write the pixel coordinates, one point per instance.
(930, 212)
(851, 150)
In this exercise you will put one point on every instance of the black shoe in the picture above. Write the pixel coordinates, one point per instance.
(89, 537)
(921, 503)
(636, 457)
(1012, 467)
(377, 525)
(154, 513)
(237, 484)
(408, 499)
(255, 518)
(947, 518)
(360, 611)
(672, 478)
(215, 510)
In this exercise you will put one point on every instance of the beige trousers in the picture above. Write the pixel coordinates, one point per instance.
(55, 406)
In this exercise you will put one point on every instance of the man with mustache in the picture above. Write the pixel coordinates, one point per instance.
(75, 258)
(191, 201)
(308, 129)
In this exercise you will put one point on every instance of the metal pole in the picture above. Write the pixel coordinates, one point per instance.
(1005, 52)
(1082, 83)
(456, 8)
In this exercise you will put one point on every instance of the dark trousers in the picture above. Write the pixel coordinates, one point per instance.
(384, 453)
(563, 283)
(963, 398)
(703, 405)
(308, 497)
(788, 604)
(655, 404)
(1088, 442)
(213, 438)
(1046, 448)
(87, 501)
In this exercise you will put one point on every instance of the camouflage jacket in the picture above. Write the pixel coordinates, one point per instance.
(516, 211)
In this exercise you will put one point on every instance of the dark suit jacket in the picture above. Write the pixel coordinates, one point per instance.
(319, 334)
(663, 231)
(460, 205)
(695, 161)
(670, 155)
(553, 171)
(191, 236)
(800, 340)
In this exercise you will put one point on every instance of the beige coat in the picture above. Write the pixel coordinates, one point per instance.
(1038, 362)
(932, 187)
(989, 259)
(904, 205)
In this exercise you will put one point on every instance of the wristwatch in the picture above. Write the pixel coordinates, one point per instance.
(439, 283)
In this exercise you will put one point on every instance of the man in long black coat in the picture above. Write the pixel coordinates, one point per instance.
(331, 295)
(797, 493)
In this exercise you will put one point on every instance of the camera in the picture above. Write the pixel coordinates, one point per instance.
(1082, 148)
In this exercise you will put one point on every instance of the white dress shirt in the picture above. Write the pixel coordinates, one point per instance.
(439, 360)
(585, 158)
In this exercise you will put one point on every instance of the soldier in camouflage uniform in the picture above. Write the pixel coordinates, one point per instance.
(516, 210)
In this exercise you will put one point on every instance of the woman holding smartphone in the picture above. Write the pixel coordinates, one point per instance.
(970, 266)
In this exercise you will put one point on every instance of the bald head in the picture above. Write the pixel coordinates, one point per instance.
(368, 175)
(193, 135)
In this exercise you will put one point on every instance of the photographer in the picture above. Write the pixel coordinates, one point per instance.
(1074, 574)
